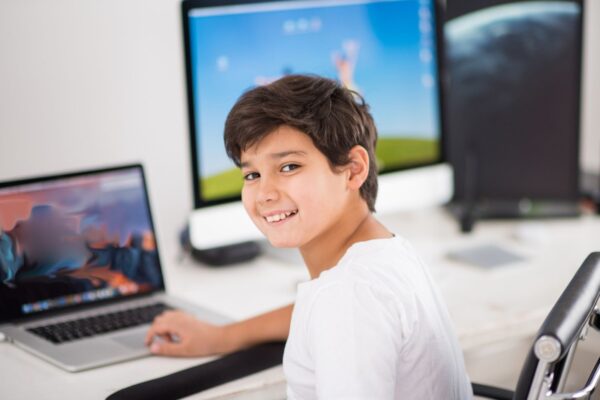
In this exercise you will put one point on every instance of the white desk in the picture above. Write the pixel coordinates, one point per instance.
(487, 305)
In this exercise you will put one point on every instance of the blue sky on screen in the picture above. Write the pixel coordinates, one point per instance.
(236, 51)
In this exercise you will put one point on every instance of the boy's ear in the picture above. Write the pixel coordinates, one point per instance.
(358, 167)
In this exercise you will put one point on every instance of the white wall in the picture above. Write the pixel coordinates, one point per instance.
(90, 83)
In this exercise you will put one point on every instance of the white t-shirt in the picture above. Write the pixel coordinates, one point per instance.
(374, 327)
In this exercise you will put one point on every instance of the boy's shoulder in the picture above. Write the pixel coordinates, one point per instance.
(383, 265)
(379, 252)
(375, 277)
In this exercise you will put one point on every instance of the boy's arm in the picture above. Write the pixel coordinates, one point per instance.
(175, 333)
(267, 327)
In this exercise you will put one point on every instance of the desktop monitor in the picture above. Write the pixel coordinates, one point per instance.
(514, 105)
(387, 50)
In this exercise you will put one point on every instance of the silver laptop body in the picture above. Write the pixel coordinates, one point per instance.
(76, 246)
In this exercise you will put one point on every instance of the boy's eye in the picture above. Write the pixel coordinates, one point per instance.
(289, 167)
(251, 176)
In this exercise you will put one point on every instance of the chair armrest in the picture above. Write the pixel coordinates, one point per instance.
(491, 392)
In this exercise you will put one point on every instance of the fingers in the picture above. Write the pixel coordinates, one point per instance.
(175, 333)
(149, 335)
(164, 348)
(161, 326)
(162, 341)
(157, 329)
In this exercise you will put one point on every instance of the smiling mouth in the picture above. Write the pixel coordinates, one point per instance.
(280, 217)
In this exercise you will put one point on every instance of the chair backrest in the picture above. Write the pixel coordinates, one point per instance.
(548, 361)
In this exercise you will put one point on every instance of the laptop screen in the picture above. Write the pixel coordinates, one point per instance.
(75, 239)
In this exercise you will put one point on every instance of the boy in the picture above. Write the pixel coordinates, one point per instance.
(370, 323)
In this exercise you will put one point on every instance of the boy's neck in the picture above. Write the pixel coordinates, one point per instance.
(326, 251)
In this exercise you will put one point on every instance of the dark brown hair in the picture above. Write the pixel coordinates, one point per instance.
(335, 118)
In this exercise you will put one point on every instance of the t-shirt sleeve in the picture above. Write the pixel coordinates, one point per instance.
(355, 341)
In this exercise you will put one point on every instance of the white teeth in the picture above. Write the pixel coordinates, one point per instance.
(279, 217)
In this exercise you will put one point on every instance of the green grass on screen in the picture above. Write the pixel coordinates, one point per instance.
(391, 153)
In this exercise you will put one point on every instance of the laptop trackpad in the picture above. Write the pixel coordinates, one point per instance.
(131, 340)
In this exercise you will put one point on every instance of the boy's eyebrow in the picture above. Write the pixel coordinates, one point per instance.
(288, 153)
(278, 155)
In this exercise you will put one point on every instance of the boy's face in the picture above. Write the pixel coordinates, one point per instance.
(290, 190)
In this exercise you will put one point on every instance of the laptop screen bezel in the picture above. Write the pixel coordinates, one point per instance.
(95, 303)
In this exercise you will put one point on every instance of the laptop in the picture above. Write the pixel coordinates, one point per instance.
(80, 273)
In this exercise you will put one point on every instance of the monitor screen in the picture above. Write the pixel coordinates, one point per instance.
(514, 104)
(384, 49)
(72, 240)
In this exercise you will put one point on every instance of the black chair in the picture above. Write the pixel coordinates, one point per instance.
(547, 365)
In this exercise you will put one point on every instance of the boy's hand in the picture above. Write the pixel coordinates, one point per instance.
(175, 333)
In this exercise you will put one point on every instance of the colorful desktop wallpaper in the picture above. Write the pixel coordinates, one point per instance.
(385, 50)
(73, 240)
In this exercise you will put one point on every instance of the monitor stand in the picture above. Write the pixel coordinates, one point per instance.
(229, 254)
(590, 188)
(222, 234)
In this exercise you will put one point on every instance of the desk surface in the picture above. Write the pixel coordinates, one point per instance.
(487, 305)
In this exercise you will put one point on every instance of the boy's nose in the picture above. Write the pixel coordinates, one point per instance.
(267, 191)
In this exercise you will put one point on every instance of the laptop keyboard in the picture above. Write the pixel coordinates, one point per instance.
(98, 324)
